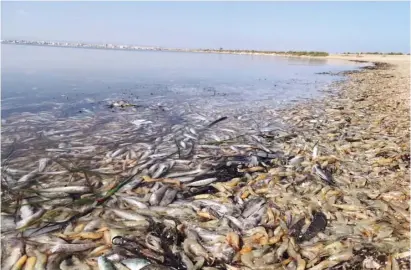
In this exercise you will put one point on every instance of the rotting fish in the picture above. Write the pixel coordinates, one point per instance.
(318, 224)
(157, 195)
(202, 182)
(135, 264)
(105, 264)
(69, 248)
(24, 222)
(168, 197)
(323, 175)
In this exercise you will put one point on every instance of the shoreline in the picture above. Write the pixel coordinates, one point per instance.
(303, 54)
(345, 160)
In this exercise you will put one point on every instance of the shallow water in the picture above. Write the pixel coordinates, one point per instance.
(71, 81)
(59, 97)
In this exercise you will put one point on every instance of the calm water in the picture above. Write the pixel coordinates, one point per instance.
(69, 81)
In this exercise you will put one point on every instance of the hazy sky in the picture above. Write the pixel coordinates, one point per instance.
(329, 26)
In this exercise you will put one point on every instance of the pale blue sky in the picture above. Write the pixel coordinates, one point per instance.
(329, 26)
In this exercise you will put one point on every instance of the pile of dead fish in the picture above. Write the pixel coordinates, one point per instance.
(328, 192)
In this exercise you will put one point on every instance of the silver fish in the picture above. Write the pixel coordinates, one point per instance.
(24, 222)
(168, 197)
(68, 189)
(128, 215)
(323, 175)
(156, 197)
(104, 264)
(134, 202)
(135, 264)
(202, 182)
(160, 171)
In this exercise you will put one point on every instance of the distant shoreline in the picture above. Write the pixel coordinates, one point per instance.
(362, 57)
(146, 48)
(319, 54)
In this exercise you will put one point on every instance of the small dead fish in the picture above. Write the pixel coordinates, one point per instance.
(128, 215)
(252, 206)
(217, 121)
(186, 260)
(68, 189)
(323, 175)
(30, 263)
(202, 182)
(70, 248)
(295, 229)
(318, 224)
(160, 171)
(24, 222)
(135, 263)
(134, 202)
(92, 225)
(168, 197)
(25, 210)
(197, 171)
(28, 177)
(192, 246)
(315, 152)
(295, 161)
(190, 136)
(118, 152)
(41, 260)
(104, 264)
(12, 258)
(156, 197)
(19, 264)
(73, 263)
(43, 162)
(192, 130)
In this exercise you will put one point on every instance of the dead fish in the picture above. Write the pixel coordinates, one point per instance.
(323, 175)
(217, 121)
(92, 225)
(104, 264)
(155, 267)
(202, 182)
(15, 254)
(134, 202)
(156, 197)
(118, 152)
(73, 263)
(70, 248)
(318, 224)
(135, 263)
(189, 136)
(295, 229)
(252, 206)
(295, 161)
(24, 222)
(128, 215)
(132, 184)
(68, 189)
(168, 197)
(186, 260)
(316, 152)
(25, 210)
(28, 177)
(160, 171)
(43, 162)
